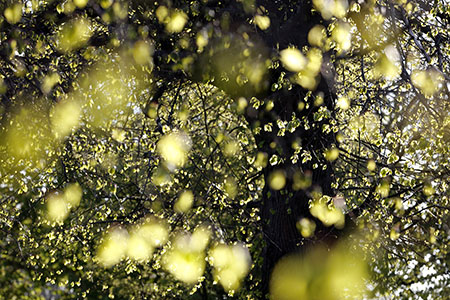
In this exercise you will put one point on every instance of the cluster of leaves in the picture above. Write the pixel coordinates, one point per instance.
(129, 171)
(394, 149)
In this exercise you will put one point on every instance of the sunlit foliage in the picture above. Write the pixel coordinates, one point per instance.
(224, 149)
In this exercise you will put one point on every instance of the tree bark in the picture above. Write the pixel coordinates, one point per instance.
(281, 210)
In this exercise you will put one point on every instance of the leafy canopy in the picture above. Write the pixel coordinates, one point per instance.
(150, 149)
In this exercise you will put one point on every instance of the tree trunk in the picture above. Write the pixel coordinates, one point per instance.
(282, 209)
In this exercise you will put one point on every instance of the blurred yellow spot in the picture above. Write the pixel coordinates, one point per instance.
(80, 3)
(301, 181)
(395, 232)
(176, 21)
(202, 41)
(277, 180)
(306, 227)
(57, 208)
(428, 190)
(342, 36)
(73, 194)
(200, 238)
(106, 95)
(185, 265)
(183, 114)
(106, 3)
(314, 57)
(261, 160)
(118, 134)
(186, 258)
(318, 101)
(242, 104)
(330, 8)
(145, 237)
(59, 204)
(231, 148)
(139, 245)
(320, 274)
(293, 59)
(74, 35)
(343, 103)
(142, 52)
(308, 77)
(371, 165)
(230, 187)
(49, 82)
(263, 22)
(317, 36)
(162, 13)
(383, 188)
(13, 13)
(138, 248)
(231, 264)
(327, 213)
(269, 105)
(65, 117)
(161, 176)
(152, 111)
(154, 231)
(429, 82)
(398, 203)
(28, 136)
(307, 81)
(174, 148)
(332, 154)
(433, 234)
(184, 202)
(384, 67)
(3, 86)
(113, 248)
(120, 10)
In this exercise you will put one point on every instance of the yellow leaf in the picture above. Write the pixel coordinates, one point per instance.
(306, 227)
(13, 13)
(293, 59)
(113, 248)
(384, 67)
(57, 208)
(176, 21)
(142, 52)
(80, 3)
(317, 36)
(263, 22)
(342, 36)
(74, 35)
(65, 117)
(174, 148)
(343, 103)
(332, 154)
(231, 264)
(73, 194)
(184, 202)
(429, 82)
(277, 180)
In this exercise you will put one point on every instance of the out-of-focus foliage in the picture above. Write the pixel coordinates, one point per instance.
(319, 274)
(147, 147)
